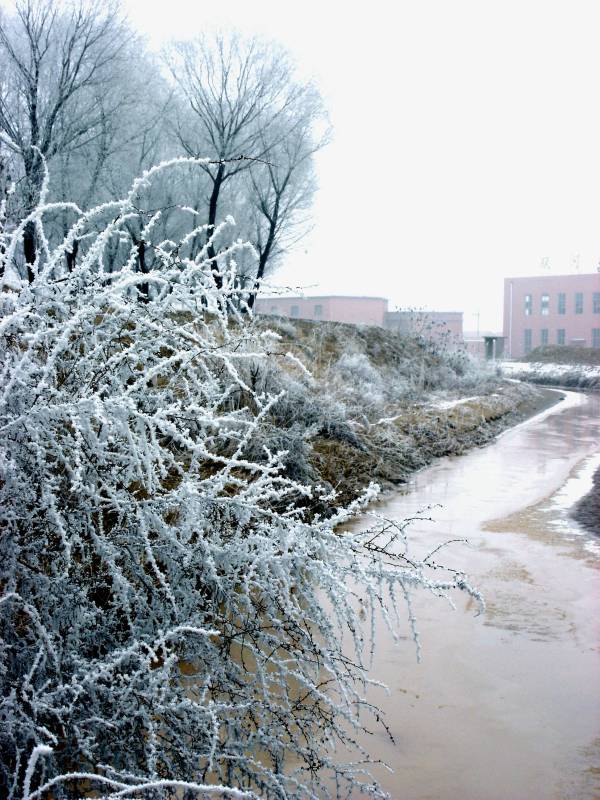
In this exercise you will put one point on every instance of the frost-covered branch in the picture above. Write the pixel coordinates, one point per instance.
(170, 619)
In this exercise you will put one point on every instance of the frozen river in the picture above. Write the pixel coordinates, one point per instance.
(505, 705)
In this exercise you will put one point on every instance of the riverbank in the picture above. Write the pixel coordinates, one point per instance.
(566, 376)
(587, 510)
(378, 406)
(563, 366)
(418, 434)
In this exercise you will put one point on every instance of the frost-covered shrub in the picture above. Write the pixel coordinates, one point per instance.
(321, 413)
(459, 370)
(358, 383)
(357, 367)
(304, 411)
(169, 621)
(283, 326)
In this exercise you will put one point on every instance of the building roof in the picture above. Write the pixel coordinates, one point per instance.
(552, 275)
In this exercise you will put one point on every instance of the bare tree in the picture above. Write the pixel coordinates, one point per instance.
(58, 71)
(282, 192)
(240, 95)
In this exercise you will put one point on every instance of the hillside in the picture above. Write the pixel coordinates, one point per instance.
(377, 405)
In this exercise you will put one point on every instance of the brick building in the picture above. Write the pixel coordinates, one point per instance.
(551, 310)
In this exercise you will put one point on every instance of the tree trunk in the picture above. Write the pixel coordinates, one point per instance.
(262, 263)
(72, 256)
(29, 249)
(212, 217)
(33, 178)
(264, 256)
(144, 288)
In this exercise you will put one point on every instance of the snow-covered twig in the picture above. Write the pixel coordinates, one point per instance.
(165, 598)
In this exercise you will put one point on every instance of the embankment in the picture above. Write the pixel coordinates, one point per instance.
(582, 377)
(379, 405)
(569, 367)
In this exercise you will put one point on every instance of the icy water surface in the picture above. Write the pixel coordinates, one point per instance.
(506, 705)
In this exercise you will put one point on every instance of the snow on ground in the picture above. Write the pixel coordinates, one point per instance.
(444, 405)
(511, 367)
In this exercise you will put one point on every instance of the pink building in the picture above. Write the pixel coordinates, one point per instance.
(551, 310)
(331, 308)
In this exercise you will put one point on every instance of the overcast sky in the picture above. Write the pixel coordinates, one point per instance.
(466, 140)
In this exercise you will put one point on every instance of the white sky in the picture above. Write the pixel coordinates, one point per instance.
(466, 140)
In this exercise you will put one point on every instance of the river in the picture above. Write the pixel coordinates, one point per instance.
(505, 705)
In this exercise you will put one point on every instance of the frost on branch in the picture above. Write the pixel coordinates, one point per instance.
(163, 600)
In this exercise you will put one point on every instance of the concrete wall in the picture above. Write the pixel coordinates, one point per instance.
(332, 308)
(524, 310)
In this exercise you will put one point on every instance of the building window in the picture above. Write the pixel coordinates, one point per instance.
(544, 337)
(595, 337)
(319, 312)
(562, 303)
(295, 311)
(596, 302)
(545, 305)
(274, 309)
(528, 305)
(579, 302)
(527, 340)
(560, 336)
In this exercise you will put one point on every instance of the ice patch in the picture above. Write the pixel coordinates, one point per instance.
(577, 486)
